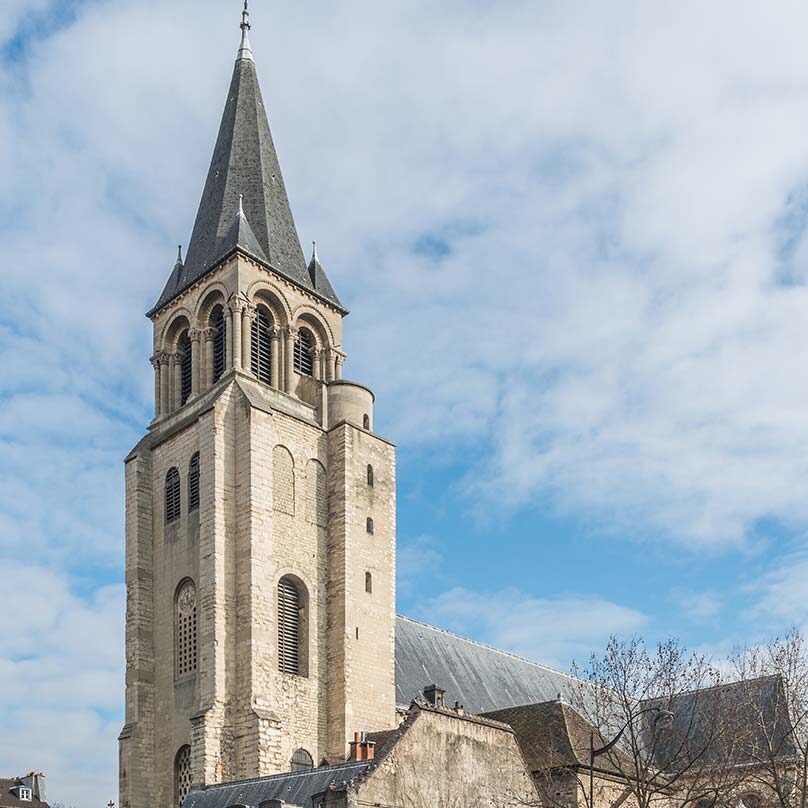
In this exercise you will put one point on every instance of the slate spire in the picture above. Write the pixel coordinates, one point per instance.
(244, 204)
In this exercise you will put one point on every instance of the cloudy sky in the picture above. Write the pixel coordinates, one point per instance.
(573, 239)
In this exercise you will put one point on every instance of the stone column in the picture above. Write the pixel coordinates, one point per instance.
(330, 361)
(209, 334)
(338, 366)
(316, 363)
(195, 335)
(247, 317)
(236, 307)
(228, 339)
(155, 363)
(289, 371)
(176, 381)
(275, 356)
(165, 383)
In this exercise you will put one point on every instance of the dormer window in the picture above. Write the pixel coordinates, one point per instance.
(23, 793)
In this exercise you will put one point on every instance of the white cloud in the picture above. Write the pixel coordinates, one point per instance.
(61, 676)
(617, 191)
(553, 631)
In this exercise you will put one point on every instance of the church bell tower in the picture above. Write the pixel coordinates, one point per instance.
(260, 505)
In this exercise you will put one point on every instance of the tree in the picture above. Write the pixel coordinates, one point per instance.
(662, 725)
(773, 689)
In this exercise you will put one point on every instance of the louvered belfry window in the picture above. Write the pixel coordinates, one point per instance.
(185, 629)
(182, 775)
(193, 483)
(288, 626)
(173, 498)
(185, 367)
(217, 321)
(304, 347)
(261, 360)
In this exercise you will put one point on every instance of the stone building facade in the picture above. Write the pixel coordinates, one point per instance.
(261, 633)
(260, 506)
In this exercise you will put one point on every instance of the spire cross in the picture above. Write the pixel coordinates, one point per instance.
(245, 18)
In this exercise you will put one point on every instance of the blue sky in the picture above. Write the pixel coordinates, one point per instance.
(572, 236)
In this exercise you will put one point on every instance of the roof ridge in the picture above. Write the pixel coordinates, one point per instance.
(490, 647)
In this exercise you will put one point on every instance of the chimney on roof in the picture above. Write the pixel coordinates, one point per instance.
(362, 748)
(458, 708)
(434, 695)
(36, 782)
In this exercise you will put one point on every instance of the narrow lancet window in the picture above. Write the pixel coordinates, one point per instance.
(218, 323)
(193, 483)
(288, 626)
(173, 498)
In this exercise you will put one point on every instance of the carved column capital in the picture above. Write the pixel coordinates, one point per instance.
(274, 332)
(195, 334)
(291, 332)
(210, 333)
(160, 358)
(237, 305)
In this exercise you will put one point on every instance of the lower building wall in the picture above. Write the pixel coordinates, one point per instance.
(445, 760)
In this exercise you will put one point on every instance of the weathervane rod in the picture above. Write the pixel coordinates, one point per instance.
(245, 51)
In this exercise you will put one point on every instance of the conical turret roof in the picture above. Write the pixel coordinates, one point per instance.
(245, 166)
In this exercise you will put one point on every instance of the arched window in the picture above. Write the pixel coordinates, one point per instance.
(369, 525)
(173, 504)
(261, 345)
(366, 422)
(184, 348)
(185, 628)
(217, 322)
(370, 476)
(288, 626)
(302, 761)
(368, 583)
(304, 352)
(182, 775)
(193, 483)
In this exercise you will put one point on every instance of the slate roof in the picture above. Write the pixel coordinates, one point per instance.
(297, 788)
(727, 722)
(245, 163)
(481, 678)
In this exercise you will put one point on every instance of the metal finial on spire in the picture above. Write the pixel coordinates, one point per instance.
(314, 251)
(245, 52)
(241, 201)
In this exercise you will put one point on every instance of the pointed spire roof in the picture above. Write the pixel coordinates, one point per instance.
(244, 204)
(319, 280)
